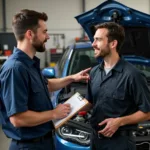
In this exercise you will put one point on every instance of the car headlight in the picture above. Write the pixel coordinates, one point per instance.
(75, 133)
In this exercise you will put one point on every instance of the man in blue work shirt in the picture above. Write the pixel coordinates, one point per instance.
(117, 91)
(26, 109)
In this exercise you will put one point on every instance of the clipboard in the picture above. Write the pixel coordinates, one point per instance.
(77, 102)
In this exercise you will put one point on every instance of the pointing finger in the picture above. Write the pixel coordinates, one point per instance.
(86, 70)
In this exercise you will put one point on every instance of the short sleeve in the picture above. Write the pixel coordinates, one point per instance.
(14, 90)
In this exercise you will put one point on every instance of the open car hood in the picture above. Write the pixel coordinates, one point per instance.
(136, 24)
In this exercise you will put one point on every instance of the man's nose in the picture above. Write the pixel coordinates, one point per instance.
(48, 37)
(93, 43)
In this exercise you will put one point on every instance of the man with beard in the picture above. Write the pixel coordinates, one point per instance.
(117, 91)
(25, 107)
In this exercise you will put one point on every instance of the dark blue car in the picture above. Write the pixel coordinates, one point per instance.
(75, 134)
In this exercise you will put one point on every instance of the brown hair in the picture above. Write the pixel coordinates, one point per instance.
(26, 20)
(115, 32)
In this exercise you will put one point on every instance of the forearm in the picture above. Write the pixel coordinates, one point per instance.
(56, 84)
(134, 118)
(31, 118)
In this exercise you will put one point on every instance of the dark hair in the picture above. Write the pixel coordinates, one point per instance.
(26, 20)
(115, 32)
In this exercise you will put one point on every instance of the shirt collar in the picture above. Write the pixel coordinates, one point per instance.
(23, 57)
(118, 67)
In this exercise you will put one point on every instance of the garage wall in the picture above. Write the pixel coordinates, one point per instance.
(1, 23)
(61, 15)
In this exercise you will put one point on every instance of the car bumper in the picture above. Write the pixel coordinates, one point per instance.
(62, 144)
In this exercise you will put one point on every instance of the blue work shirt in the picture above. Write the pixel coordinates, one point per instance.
(121, 92)
(23, 88)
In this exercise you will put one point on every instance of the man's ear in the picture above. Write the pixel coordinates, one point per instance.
(114, 44)
(29, 34)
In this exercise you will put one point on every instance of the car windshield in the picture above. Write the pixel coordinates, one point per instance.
(84, 58)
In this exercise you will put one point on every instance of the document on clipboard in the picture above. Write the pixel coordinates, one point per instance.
(77, 102)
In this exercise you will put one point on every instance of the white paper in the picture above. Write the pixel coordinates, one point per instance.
(76, 102)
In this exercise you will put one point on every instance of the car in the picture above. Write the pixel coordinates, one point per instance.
(75, 134)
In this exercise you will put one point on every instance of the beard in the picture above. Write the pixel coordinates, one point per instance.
(103, 52)
(38, 45)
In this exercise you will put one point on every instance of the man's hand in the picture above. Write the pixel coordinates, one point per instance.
(61, 111)
(112, 125)
(82, 75)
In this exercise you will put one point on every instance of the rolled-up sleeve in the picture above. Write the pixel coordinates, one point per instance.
(141, 92)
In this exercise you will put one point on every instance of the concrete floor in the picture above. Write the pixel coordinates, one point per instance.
(4, 141)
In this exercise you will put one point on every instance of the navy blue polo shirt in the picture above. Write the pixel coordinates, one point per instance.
(121, 92)
(23, 88)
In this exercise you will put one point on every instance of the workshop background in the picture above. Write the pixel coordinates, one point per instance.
(62, 27)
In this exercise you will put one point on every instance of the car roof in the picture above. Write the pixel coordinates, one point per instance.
(80, 45)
